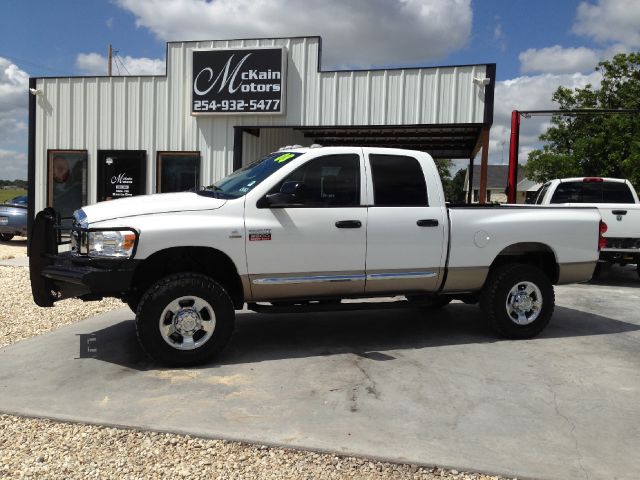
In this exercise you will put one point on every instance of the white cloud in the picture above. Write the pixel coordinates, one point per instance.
(499, 37)
(14, 84)
(558, 59)
(528, 93)
(96, 64)
(610, 21)
(13, 165)
(357, 32)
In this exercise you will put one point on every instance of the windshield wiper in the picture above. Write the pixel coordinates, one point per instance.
(210, 191)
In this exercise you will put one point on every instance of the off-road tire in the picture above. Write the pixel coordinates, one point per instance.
(5, 237)
(161, 294)
(495, 294)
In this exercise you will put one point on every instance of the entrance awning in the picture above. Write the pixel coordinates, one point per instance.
(440, 141)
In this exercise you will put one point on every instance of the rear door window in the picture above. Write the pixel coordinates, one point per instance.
(398, 181)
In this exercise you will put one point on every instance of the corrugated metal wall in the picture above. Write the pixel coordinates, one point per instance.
(153, 114)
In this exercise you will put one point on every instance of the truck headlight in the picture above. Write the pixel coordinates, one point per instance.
(105, 243)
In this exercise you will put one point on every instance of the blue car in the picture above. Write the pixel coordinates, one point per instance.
(13, 218)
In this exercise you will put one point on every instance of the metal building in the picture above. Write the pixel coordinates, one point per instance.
(224, 103)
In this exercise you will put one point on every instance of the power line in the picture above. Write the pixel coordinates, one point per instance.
(119, 58)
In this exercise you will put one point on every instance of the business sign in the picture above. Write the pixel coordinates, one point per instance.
(243, 80)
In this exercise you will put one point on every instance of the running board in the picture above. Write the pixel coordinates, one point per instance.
(332, 307)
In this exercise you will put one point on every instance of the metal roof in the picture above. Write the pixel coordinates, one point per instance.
(440, 141)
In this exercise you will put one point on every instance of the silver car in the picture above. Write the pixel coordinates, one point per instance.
(13, 218)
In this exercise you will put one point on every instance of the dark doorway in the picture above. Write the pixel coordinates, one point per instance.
(121, 173)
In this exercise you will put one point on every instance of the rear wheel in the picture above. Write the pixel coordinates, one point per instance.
(184, 319)
(5, 237)
(518, 301)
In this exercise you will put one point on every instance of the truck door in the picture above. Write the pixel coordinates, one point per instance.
(315, 248)
(405, 228)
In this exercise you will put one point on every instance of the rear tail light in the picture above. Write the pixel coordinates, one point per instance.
(592, 179)
(602, 242)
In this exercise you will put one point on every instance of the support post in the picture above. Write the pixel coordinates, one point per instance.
(512, 179)
(484, 162)
(470, 180)
(238, 133)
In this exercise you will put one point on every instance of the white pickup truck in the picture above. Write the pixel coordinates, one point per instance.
(302, 229)
(617, 201)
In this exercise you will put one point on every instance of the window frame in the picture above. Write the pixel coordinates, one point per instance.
(361, 185)
(176, 153)
(50, 154)
(373, 183)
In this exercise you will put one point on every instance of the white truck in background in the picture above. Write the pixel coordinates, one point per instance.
(617, 201)
(300, 230)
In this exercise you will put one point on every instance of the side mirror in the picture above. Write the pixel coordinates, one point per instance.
(291, 194)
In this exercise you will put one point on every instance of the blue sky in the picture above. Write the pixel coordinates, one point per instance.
(537, 45)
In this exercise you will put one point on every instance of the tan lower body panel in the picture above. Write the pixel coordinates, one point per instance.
(465, 279)
(576, 272)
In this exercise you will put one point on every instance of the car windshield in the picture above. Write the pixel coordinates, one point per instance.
(242, 181)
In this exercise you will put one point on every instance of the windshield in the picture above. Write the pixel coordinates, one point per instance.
(242, 181)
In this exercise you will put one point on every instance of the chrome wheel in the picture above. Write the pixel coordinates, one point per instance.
(187, 323)
(524, 303)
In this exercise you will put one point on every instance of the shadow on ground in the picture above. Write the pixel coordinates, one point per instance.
(16, 242)
(369, 334)
(617, 276)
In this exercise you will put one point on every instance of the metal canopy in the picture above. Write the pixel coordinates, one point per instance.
(440, 141)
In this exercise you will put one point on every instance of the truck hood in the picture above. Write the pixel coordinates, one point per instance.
(149, 204)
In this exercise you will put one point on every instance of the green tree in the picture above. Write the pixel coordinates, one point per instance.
(444, 170)
(594, 145)
(454, 188)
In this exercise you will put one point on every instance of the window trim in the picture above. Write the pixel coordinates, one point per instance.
(373, 183)
(176, 153)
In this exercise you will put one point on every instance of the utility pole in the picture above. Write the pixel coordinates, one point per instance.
(110, 60)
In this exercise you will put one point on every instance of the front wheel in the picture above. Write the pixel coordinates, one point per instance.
(518, 301)
(184, 319)
(5, 237)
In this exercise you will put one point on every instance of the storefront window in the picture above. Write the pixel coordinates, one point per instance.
(121, 173)
(67, 180)
(178, 171)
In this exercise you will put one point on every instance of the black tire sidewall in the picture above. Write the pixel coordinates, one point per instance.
(501, 283)
(159, 295)
(6, 237)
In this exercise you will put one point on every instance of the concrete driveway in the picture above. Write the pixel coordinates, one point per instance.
(391, 384)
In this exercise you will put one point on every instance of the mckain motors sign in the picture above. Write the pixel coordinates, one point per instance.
(247, 81)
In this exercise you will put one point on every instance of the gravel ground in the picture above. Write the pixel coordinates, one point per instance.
(21, 318)
(17, 247)
(37, 448)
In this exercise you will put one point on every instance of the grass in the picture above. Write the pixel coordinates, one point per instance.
(9, 194)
